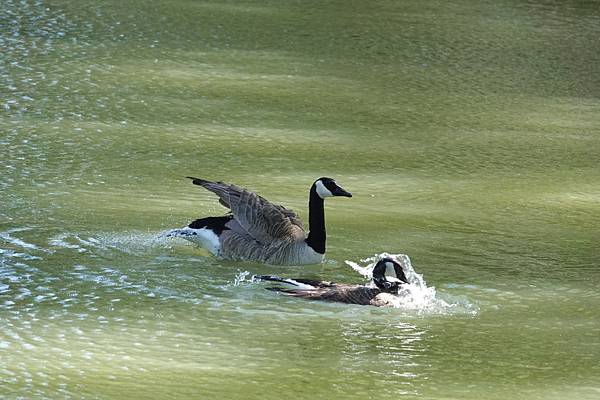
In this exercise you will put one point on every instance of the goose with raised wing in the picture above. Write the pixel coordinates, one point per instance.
(258, 230)
(388, 275)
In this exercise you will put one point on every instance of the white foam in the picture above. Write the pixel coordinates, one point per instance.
(7, 237)
(203, 237)
(416, 296)
(134, 243)
(240, 278)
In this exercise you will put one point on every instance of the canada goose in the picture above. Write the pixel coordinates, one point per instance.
(257, 230)
(387, 278)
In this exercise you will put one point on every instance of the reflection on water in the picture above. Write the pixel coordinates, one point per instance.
(85, 310)
(34, 68)
(398, 349)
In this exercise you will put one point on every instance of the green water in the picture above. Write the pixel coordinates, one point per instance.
(468, 132)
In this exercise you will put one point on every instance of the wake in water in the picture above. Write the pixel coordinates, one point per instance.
(133, 243)
(416, 295)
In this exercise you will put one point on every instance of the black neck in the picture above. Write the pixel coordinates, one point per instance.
(316, 222)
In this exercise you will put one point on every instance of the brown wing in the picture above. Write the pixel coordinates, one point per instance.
(290, 214)
(262, 220)
(351, 294)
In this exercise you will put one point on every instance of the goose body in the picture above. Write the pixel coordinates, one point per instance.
(258, 230)
(387, 276)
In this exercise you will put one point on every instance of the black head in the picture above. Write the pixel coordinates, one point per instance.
(388, 275)
(327, 187)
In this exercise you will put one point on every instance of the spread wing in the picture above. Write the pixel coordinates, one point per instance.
(261, 219)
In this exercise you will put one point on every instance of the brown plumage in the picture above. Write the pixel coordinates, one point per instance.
(259, 218)
(341, 293)
(387, 276)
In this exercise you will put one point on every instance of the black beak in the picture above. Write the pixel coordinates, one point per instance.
(341, 192)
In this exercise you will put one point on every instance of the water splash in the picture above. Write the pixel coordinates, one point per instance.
(133, 243)
(416, 296)
(9, 238)
(240, 278)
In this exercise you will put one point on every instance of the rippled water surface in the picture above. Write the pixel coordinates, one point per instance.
(468, 132)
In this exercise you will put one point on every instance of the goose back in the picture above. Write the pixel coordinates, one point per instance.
(240, 246)
(350, 294)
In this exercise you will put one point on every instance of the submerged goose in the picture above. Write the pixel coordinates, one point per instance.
(388, 275)
(257, 230)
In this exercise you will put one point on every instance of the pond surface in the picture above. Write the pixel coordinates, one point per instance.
(468, 132)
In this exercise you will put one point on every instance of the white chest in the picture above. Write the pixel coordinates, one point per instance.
(204, 237)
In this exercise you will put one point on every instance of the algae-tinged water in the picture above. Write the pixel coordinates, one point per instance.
(468, 132)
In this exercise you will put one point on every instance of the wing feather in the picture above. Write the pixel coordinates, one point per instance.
(264, 221)
(351, 294)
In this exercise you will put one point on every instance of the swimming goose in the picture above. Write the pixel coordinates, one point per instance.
(257, 230)
(388, 275)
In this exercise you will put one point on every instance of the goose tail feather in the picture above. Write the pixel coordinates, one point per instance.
(272, 278)
(198, 181)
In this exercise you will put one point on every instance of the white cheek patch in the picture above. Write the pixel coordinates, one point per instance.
(390, 271)
(322, 191)
(390, 279)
